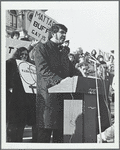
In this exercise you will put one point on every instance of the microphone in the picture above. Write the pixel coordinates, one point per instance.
(93, 58)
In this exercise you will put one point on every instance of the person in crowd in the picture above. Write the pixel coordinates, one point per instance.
(100, 58)
(90, 66)
(71, 57)
(31, 50)
(113, 89)
(104, 74)
(93, 53)
(26, 36)
(110, 64)
(110, 67)
(66, 43)
(49, 67)
(107, 135)
(79, 53)
(86, 66)
(20, 106)
(102, 69)
(15, 35)
(82, 66)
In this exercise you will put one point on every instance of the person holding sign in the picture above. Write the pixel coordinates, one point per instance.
(50, 71)
(20, 106)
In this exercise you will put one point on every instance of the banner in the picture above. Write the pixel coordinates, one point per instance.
(27, 73)
(13, 44)
(40, 25)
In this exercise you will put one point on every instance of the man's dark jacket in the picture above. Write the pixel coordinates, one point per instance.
(50, 64)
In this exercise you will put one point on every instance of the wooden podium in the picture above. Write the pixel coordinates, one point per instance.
(80, 108)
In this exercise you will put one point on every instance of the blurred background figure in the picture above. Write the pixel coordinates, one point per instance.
(82, 66)
(20, 106)
(110, 64)
(26, 36)
(102, 69)
(93, 53)
(15, 35)
(66, 43)
(107, 135)
(100, 58)
(79, 53)
(71, 57)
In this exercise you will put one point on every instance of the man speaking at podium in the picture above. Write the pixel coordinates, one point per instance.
(50, 71)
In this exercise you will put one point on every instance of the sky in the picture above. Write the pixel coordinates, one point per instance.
(91, 25)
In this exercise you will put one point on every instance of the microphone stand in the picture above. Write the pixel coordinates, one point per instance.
(98, 107)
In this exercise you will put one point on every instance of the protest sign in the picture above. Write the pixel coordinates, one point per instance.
(40, 25)
(27, 73)
(13, 44)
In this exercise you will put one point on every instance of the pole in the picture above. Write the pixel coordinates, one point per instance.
(98, 107)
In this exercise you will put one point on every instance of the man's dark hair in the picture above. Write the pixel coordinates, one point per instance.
(55, 28)
(67, 41)
(15, 33)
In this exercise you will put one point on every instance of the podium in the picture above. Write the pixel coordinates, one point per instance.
(80, 108)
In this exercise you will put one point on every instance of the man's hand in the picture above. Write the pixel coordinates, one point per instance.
(34, 42)
(63, 80)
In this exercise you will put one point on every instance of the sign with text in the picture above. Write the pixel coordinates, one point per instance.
(13, 44)
(27, 73)
(40, 25)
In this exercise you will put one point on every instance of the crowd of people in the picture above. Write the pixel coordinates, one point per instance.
(54, 62)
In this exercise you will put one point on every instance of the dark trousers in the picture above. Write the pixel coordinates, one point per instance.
(44, 136)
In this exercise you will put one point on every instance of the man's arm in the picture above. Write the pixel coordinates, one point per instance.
(74, 71)
(42, 66)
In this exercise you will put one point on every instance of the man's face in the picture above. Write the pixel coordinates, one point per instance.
(60, 36)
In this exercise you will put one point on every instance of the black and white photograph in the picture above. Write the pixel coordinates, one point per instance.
(59, 74)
